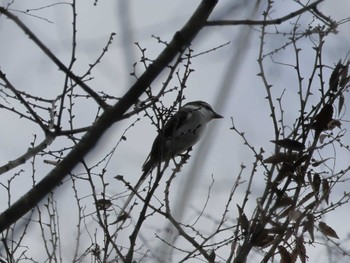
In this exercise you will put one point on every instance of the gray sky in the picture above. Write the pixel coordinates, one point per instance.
(31, 71)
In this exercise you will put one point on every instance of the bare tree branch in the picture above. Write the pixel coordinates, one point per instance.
(58, 62)
(276, 21)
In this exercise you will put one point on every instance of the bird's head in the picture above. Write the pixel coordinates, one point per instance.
(204, 108)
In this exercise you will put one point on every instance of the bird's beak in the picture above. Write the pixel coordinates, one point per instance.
(217, 116)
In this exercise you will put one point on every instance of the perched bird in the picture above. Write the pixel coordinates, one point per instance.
(180, 133)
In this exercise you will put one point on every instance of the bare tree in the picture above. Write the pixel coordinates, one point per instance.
(300, 178)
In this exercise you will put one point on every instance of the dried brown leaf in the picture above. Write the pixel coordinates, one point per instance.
(262, 239)
(242, 219)
(285, 170)
(294, 215)
(333, 123)
(341, 102)
(309, 226)
(281, 157)
(311, 206)
(306, 198)
(300, 175)
(121, 218)
(344, 79)
(334, 78)
(212, 256)
(309, 178)
(294, 255)
(290, 144)
(325, 190)
(119, 177)
(284, 201)
(300, 248)
(315, 164)
(285, 255)
(327, 230)
(316, 183)
(286, 212)
(323, 118)
(278, 229)
(323, 137)
(301, 160)
(103, 204)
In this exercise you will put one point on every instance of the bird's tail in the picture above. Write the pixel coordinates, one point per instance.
(134, 190)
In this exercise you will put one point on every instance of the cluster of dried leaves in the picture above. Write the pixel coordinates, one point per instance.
(298, 191)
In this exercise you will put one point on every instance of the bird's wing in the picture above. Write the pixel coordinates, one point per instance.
(175, 122)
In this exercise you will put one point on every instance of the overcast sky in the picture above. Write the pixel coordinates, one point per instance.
(240, 97)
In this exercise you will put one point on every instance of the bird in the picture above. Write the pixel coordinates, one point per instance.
(183, 130)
